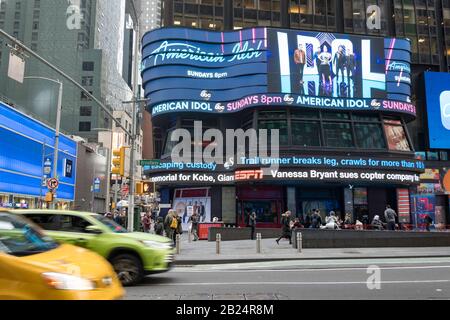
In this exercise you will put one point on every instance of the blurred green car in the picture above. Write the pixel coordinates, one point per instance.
(132, 255)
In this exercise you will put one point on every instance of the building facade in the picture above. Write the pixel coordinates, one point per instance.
(369, 159)
(89, 40)
(26, 159)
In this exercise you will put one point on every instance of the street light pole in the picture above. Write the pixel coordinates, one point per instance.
(57, 133)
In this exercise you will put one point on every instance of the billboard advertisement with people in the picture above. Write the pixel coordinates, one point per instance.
(192, 70)
(190, 201)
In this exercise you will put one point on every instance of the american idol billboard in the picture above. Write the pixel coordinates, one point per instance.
(193, 70)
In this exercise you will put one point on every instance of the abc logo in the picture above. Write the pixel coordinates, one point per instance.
(205, 94)
(445, 109)
(219, 107)
(288, 99)
(375, 103)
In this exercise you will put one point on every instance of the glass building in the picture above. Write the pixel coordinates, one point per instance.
(426, 23)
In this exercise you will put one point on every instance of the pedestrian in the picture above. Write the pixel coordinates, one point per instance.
(159, 226)
(194, 220)
(286, 227)
(348, 221)
(297, 224)
(178, 229)
(123, 218)
(428, 222)
(252, 225)
(331, 221)
(316, 219)
(109, 215)
(168, 222)
(146, 222)
(116, 216)
(390, 216)
(377, 224)
(308, 220)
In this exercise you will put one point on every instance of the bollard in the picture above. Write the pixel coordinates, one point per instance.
(258, 242)
(190, 236)
(299, 242)
(218, 240)
(177, 242)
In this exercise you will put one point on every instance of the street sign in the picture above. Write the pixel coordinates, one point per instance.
(52, 184)
(154, 162)
(47, 166)
(16, 68)
(97, 182)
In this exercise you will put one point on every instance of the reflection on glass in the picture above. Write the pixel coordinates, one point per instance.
(338, 135)
(306, 133)
(369, 136)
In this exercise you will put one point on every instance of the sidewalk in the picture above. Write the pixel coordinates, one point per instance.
(204, 252)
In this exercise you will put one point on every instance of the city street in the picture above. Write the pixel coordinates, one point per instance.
(415, 278)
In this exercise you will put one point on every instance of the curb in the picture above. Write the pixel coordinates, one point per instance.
(250, 260)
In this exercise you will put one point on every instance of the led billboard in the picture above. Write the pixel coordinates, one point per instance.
(437, 88)
(192, 70)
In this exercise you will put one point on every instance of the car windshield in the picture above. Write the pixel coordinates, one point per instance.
(114, 227)
(19, 237)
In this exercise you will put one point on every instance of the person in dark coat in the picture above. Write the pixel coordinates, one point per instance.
(286, 227)
(159, 226)
(316, 220)
(252, 224)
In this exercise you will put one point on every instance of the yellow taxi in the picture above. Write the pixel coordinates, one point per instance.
(34, 267)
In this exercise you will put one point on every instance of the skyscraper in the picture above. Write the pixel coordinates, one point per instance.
(86, 39)
(151, 15)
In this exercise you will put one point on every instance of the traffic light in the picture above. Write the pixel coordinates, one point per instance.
(139, 188)
(49, 197)
(119, 162)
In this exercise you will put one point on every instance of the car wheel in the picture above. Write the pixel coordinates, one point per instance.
(128, 268)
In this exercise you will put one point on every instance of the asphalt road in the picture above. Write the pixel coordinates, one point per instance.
(417, 278)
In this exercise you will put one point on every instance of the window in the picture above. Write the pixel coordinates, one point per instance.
(84, 96)
(88, 66)
(46, 221)
(369, 136)
(85, 111)
(280, 125)
(87, 81)
(396, 136)
(85, 126)
(74, 224)
(306, 134)
(338, 135)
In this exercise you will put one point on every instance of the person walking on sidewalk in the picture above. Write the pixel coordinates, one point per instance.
(168, 222)
(194, 220)
(286, 227)
(428, 222)
(252, 225)
(146, 222)
(159, 226)
(390, 216)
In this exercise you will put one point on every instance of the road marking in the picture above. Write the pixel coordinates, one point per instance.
(182, 270)
(295, 283)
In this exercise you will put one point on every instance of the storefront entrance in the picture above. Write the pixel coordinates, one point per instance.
(323, 199)
(265, 201)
